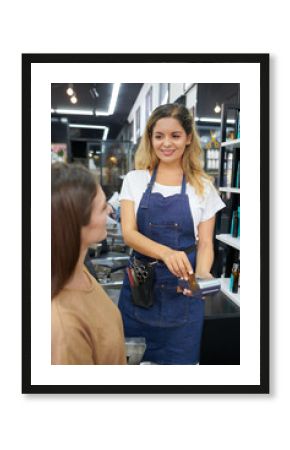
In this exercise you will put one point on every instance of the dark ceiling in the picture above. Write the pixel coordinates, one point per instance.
(97, 96)
(210, 94)
(91, 97)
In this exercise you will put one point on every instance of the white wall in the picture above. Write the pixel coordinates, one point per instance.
(140, 102)
(175, 91)
(191, 96)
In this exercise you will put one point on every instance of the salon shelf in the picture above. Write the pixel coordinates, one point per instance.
(230, 189)
(225, 282)
(234, 143)
(229, 240)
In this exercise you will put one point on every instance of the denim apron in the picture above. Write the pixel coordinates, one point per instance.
(172, 327)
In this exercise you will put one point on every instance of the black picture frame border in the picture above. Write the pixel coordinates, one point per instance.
(259, 58)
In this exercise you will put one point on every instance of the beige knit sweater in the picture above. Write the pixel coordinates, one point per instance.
(86, 327)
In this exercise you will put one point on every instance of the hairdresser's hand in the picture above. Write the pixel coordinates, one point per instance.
(178, 263)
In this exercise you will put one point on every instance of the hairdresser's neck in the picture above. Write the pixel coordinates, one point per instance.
(170, 166)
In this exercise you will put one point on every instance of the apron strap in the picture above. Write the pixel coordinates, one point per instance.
(183, 189)
(145, 201)
(153, 177)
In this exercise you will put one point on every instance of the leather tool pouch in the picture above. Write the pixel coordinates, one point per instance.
(141, 278)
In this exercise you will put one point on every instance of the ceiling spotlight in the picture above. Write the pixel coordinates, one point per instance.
(217, 108)
(73, 99)
(70, 91)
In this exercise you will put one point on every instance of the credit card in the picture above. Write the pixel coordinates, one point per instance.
(193, 285)
(201, 286)
(190, 284)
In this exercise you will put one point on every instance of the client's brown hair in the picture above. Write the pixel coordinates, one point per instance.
(73, 189)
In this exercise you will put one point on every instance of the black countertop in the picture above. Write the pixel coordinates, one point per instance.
(219, 306)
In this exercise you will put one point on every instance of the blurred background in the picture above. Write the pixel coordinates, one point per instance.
(100, 125)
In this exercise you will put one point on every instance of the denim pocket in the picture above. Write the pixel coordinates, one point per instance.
(169, 309)
(165, 233)
(174, 306)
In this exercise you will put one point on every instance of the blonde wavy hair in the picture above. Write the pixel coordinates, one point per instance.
(146, 159)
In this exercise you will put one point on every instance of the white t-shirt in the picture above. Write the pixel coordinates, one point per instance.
(202, 207)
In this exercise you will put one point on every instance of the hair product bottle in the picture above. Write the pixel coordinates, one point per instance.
(229, 169)
(234, 280)
(238, 176)
(235, 224)
(238, 126)
(225, 171)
